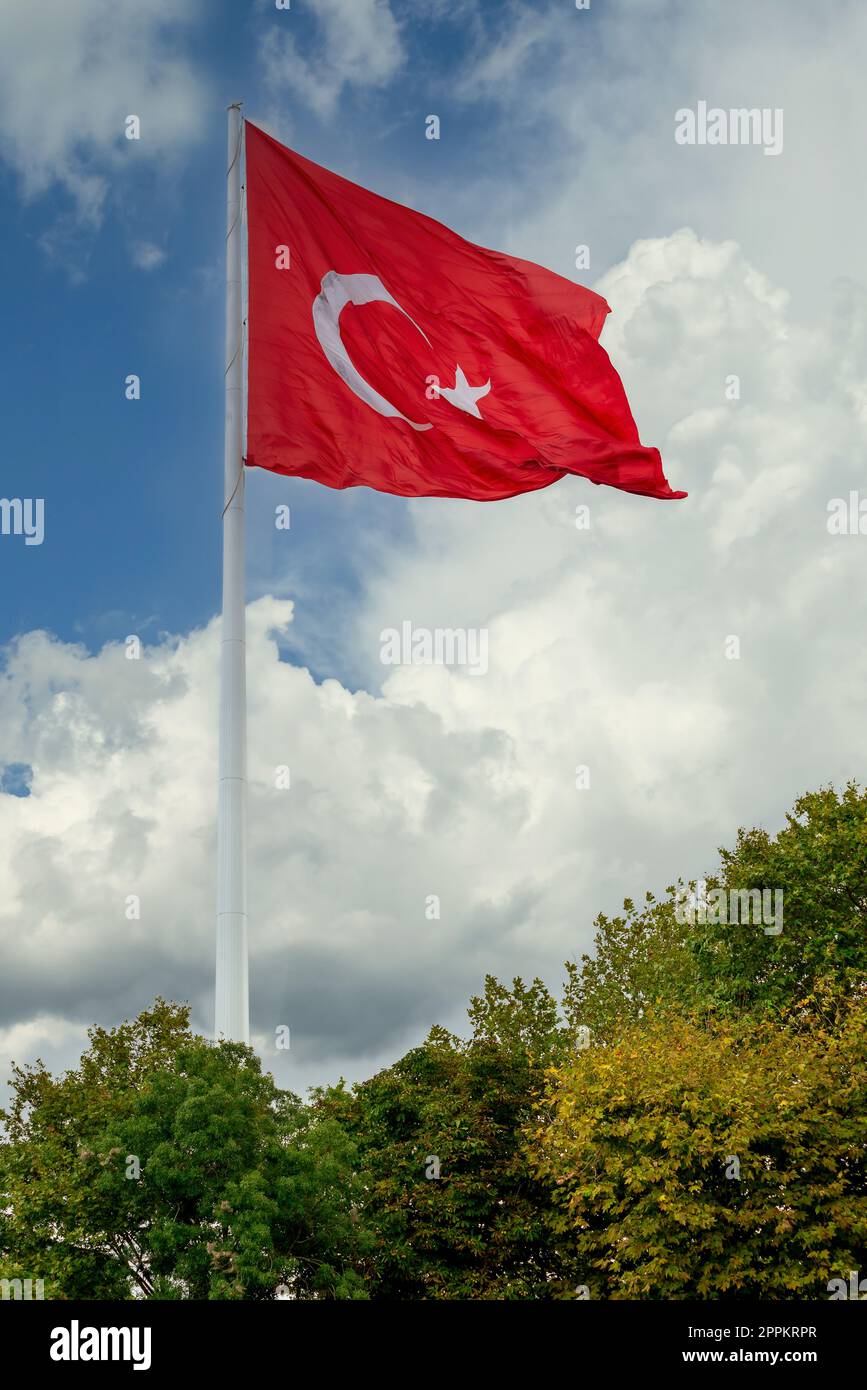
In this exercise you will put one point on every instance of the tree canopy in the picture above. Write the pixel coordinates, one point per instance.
(712, 1162)
(167, 1167)
(688, 1120)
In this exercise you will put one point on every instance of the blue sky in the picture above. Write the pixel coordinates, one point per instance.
(608, 646)
(132, 488)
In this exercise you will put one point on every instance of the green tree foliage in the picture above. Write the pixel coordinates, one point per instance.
(241, 1188)
(645, 959)
(819, 862)
(482, 1228)
(642, 959)
(709, 1142)
(713, 1162)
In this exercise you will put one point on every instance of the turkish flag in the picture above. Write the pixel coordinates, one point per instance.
(385, 350)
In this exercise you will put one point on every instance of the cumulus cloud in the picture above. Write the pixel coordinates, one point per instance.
(69, 76)
(607, 646)
(598, 92)
(607, 649)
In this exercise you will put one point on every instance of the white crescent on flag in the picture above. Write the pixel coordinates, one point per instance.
(339, 290)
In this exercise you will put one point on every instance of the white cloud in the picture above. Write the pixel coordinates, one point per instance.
(69, 76)
(53, 1039)
(590, 101)
(502, 55)
(607, 648)
(358, 45)
(147, 256)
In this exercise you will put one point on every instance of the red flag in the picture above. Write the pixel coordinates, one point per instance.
(385, 350)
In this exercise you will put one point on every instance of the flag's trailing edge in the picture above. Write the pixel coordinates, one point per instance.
(386, 351)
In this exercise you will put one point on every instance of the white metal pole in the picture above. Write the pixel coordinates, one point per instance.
(232, 1013)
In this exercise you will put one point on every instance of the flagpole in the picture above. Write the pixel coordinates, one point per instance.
(232, 1011)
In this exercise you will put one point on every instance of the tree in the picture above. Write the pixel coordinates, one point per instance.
(454, 1211)
(642, 959)
(655, 958)
(721, 1161)
(709, 1142)
(168, 1167)
(818, 861)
